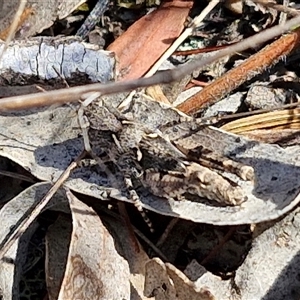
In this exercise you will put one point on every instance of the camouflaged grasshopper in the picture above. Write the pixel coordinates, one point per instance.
(153, 145)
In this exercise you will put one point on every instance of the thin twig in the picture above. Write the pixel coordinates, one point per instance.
(75, 93)
(25, 223)
(14, 26)
(250, 68)
(90, 22)
(150, 244)
(282, 8)
(186, 33)
(219, 246)
(167, 231)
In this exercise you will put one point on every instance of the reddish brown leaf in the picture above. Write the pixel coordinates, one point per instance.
(145, 41)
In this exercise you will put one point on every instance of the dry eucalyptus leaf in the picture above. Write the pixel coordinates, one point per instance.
(66, 7)
(37, 16)
(165, 282)
(221, 289)
(157, 281)
(230, 104)
(11, 268)
(58, 239)
(156, 31)
(94, 268)
(126, 244)
(271, 268)
(10, 214)
(57, 247)
(45, 141)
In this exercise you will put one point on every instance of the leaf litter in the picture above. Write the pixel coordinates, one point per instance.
(45, 141)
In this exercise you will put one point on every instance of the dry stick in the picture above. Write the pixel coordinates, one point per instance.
(74, 93)
(167, 231)
(25, 223)
(186, 33)
(128, 226)
(253, 66)
(14, 25)
(150, 244)
(279, 7)
(155, 91)
(219, 246)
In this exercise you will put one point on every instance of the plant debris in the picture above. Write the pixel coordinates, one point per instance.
(88, 241)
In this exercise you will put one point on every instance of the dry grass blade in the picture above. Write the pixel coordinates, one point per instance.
(281, 119)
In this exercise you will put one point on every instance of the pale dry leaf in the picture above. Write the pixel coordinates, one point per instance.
(221, 289)
(230, 104)
(94, 268)
(186, 289)
(157, 281)
(11, 268)
(66, 7)
(10, 215)
(166, 282)
(57, 242)
(45, 141)
(271, 268)
(136, 258)
(57, 247)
